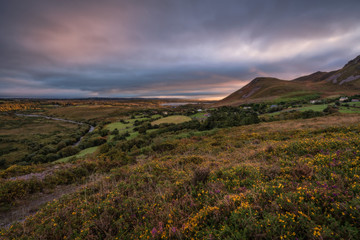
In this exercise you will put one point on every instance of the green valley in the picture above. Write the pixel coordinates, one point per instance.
(153, 172)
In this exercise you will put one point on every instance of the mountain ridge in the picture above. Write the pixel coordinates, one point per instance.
(344, 81)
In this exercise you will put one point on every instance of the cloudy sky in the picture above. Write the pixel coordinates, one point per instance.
(168, 48)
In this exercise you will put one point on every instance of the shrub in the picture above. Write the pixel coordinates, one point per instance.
(115, 132)
(271, 172)
(330, 109)
(69, 151)
(162, 147)
(201, 175)
(302, 170)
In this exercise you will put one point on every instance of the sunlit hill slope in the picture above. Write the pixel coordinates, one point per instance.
(345, 81)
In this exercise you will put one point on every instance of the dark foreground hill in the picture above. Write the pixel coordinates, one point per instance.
(345, 81)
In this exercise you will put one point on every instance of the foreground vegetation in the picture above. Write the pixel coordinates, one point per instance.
(214, 178)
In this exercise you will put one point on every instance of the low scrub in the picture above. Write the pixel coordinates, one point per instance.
(263, 182)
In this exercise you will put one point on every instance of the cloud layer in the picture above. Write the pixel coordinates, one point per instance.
(192, 49)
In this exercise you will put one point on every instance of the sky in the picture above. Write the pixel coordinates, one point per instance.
(203, 49)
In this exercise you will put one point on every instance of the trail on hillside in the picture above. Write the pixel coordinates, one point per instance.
(32, 205)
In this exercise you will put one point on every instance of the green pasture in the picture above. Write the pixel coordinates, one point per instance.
(78, 155)
(172, 119)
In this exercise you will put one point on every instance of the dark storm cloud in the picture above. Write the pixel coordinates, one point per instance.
(167, 48)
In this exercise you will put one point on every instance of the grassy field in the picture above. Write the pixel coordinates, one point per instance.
(130, 122)
(317, 108)
(81, 154)
(320, 107)
(342, 109)
(172, 119)
(298, 96)
(133, 135)
(199, 115)
(129, 126)
(349, 110)
(119, 126)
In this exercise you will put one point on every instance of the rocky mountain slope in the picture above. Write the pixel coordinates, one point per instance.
(345, 81)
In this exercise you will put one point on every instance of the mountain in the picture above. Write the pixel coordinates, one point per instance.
(349, 75)
(345, 81)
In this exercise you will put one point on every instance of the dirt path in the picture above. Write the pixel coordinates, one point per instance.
(32, 205)
(41, 175)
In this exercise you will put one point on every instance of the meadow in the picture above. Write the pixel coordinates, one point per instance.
(288, 179)
(172, 119)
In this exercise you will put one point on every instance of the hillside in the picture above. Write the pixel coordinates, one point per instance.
(230, 174)
(345, 81)
(349, 75)
(293, 179)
